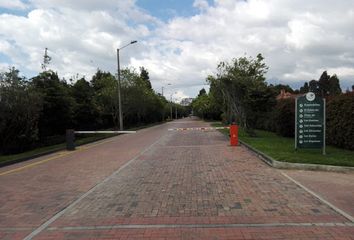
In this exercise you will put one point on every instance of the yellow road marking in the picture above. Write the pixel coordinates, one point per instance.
(60, 155)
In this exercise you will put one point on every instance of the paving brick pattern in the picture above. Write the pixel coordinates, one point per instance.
(189, 185)
(284, 233)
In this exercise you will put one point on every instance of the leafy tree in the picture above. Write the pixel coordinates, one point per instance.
(57, 112)
(86, 114)
(201, 105)
(243, 87)
(141, 103)
(277, 88)
(19, 113)
(334, 86)
(314, 87)
(106, 97)
(305, 88)
(144, 75)
(326, 86)
(202, 92)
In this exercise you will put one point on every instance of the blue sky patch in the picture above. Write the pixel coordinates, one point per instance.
(168, 9)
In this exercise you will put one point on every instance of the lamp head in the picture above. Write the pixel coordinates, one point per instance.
(132, 42)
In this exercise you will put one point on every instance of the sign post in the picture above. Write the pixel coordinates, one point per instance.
(310, 122)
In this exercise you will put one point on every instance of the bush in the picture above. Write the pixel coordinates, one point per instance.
(284, 118)
(340, 121)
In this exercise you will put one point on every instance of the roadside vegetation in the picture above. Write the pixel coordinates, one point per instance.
(35, 113)
(239, 93)
(282, 149)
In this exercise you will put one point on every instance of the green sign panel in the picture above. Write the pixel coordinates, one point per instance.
(310, 122)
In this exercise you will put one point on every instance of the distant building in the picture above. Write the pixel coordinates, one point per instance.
(186, 101)
(285, 95)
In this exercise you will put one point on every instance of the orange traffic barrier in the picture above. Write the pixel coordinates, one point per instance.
(233, 135)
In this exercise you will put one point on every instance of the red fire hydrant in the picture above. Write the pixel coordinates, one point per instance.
(233, 135)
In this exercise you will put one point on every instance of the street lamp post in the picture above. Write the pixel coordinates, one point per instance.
(171, 105)
(119, 86)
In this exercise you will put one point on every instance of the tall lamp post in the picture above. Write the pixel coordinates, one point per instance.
(171, 105)
(119, 86)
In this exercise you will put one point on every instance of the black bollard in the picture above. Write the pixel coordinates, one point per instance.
(70, 140)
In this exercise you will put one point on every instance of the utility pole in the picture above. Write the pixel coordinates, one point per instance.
(46, 60)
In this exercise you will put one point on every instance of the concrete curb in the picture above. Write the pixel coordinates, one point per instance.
(299, 166)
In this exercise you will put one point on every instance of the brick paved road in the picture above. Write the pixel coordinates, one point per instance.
(162, 185)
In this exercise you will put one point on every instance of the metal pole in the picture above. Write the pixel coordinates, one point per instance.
(295, 124)
(176, 112)
(119, 95)
(171, 110)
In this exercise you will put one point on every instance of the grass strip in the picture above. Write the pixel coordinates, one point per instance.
(282, 149)
(80, 140)
(4, 159)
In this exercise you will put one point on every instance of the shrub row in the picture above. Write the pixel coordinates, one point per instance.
(339, 120)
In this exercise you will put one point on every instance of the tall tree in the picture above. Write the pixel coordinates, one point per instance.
(86, 115)
(106, 98)
(20, 107)
(242, 84)
(325, 86)
(202, 92)
(57, 113)
(334, 86)
(305, 88)
(144, 75)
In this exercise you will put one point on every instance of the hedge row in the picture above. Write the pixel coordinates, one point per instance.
(339, 120)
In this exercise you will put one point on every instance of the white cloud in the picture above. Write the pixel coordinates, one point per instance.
(13, 4)
(201, 4)
(299, 39)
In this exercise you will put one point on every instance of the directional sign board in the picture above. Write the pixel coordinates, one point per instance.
(310, 122)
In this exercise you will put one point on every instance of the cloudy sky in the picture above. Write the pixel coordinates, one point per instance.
(180, 42)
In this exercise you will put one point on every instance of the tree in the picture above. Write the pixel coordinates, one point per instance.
(106, 98)
(334, 86)
(202, 92)
(20, 107)
(325, 86)
(277, 88)
(201, 105)
(140, 103)
(314, 87)
(144, 75)
(305, 88)
(57, 113)
(86, 115)
(243, 87)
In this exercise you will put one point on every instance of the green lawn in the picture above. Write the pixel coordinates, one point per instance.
(282, 149)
